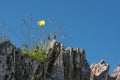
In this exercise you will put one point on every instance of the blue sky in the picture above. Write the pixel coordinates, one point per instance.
(90, 24)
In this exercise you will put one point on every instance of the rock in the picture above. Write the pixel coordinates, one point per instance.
(99, 71)
(63, 63)
(25, 68)
(116, 73)
(67, 63)
(14, 65)
(7, 63)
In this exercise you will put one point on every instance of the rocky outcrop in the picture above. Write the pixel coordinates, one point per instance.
(14, 65)
(99, 71)
(116, 73)
(7, 63)
(63, 63)
(67, 63)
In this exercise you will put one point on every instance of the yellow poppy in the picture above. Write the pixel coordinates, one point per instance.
(41, 23)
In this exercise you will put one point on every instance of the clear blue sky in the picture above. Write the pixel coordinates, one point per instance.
(92, 24)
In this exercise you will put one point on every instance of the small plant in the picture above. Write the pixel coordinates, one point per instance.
(35, 42)
(36, 54)
(38, 50)
(34, 39)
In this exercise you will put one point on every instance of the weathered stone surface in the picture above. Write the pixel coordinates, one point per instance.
(116, 73)
(99, 71)
(7, 68)
(64, 63)
(67, 63)
(14, 65)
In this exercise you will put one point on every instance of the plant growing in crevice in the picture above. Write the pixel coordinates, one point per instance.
(36, 48)
(35, 40)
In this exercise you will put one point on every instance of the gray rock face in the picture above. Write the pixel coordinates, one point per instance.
(7, 63)
(67, 63)
(14, 65)
(63, 63)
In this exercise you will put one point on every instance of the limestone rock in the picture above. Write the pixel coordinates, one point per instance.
(116, 73)
(63, 63)
(99, 71)
(14, 65)
(7, 61)
(67, 63)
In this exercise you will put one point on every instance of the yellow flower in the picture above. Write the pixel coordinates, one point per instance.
(41, 23)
